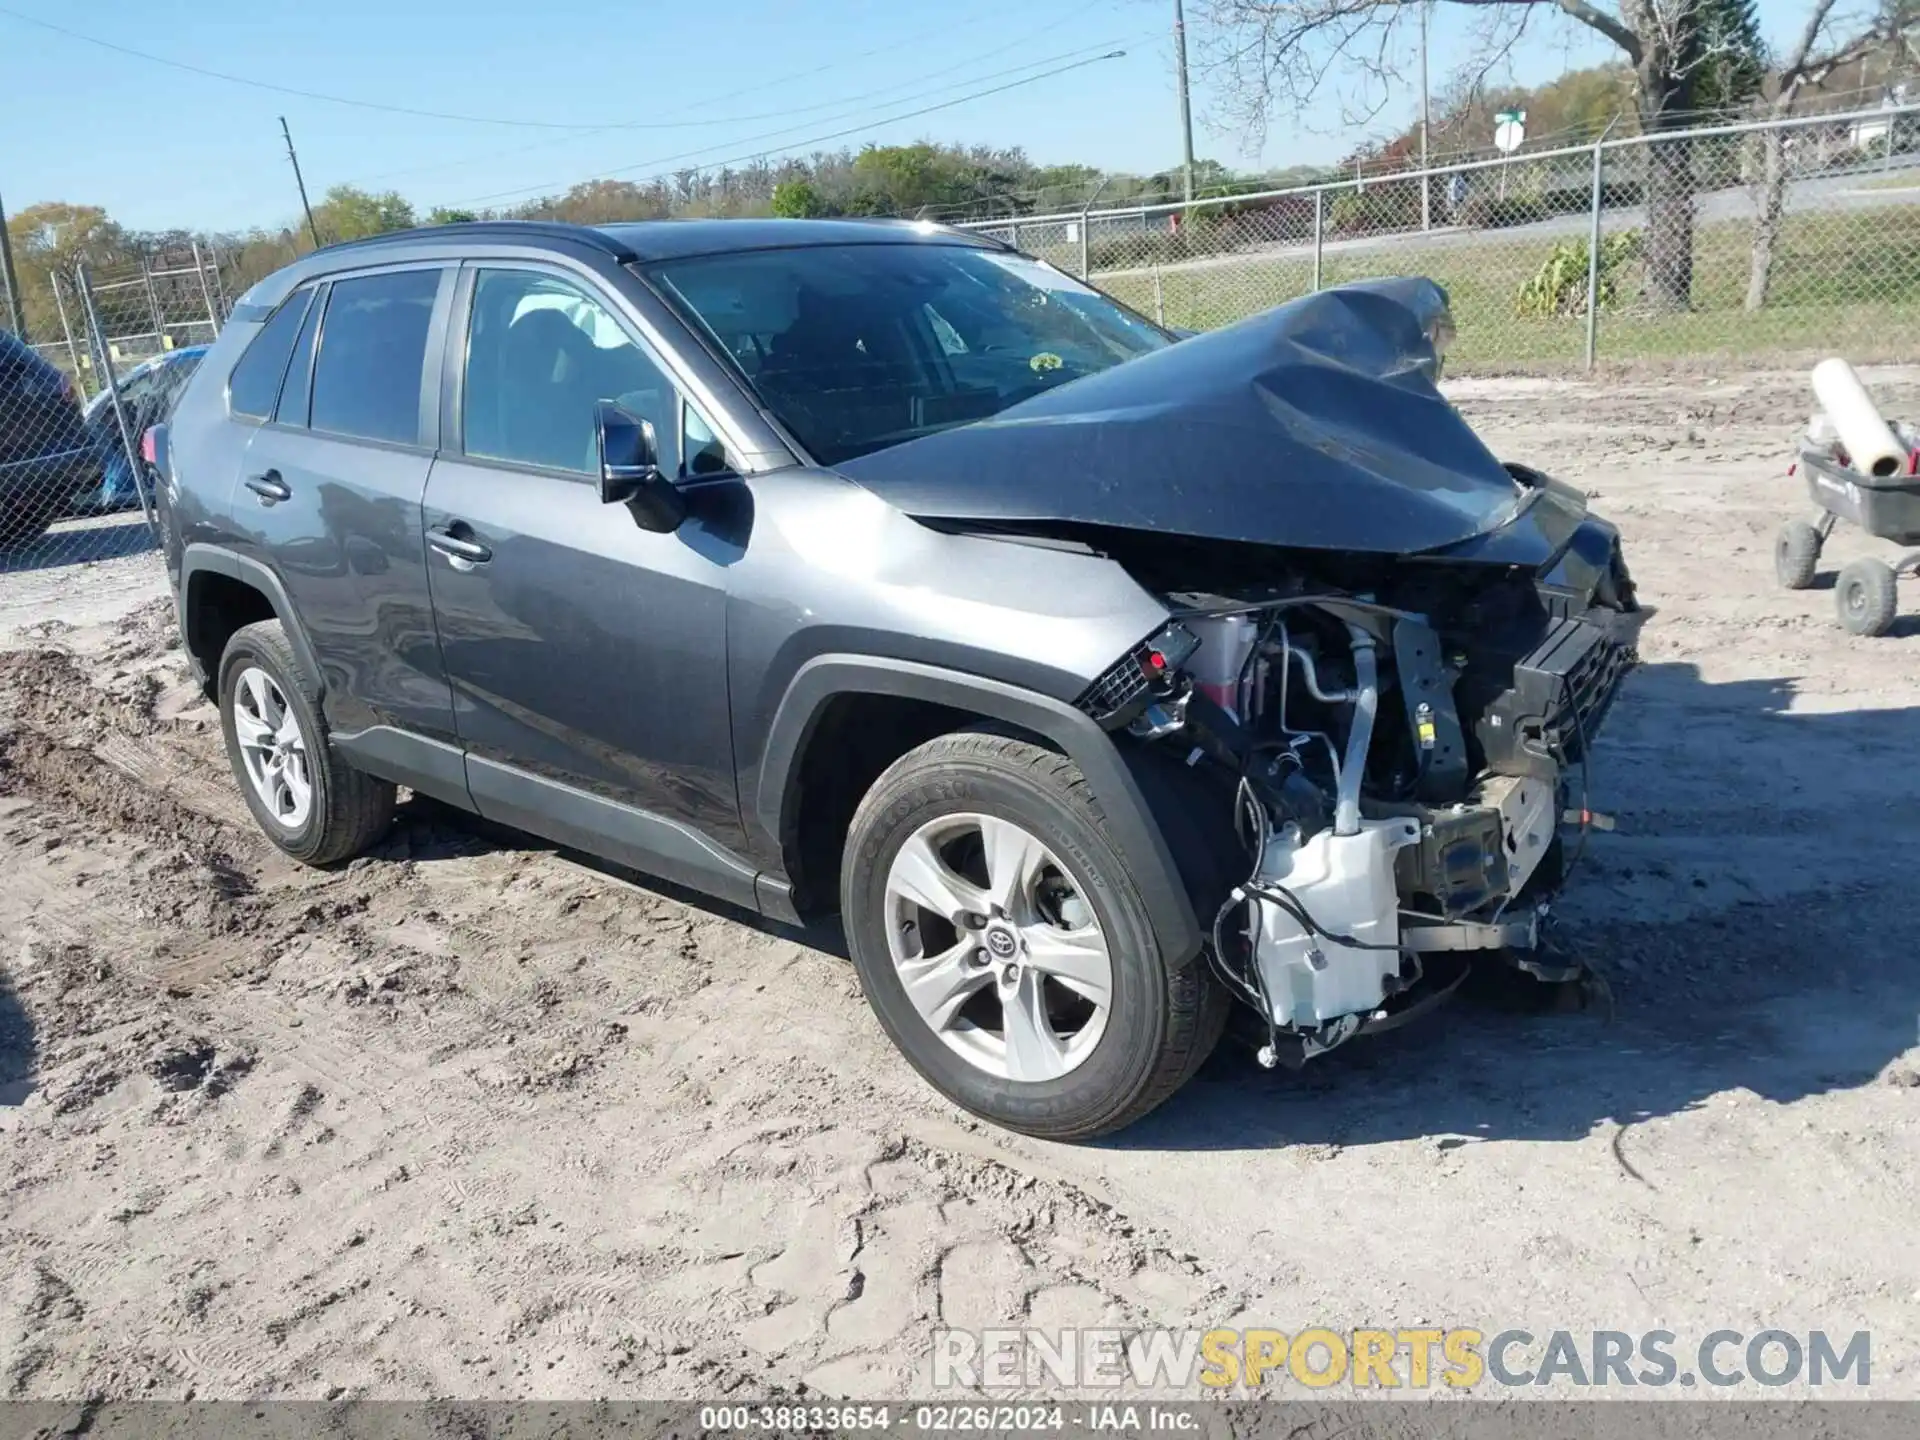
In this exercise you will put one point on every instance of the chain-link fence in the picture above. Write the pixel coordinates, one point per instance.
(74, 486)
(1766, 242)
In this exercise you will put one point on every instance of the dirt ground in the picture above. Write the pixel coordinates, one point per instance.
(469, 1118)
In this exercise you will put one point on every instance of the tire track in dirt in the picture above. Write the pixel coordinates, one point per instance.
(459, 1059)
(517, 1127)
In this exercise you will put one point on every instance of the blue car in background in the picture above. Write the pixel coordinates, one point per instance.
(147, 393)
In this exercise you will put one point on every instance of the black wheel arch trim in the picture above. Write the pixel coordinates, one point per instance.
(1130, 820)
(201, 558)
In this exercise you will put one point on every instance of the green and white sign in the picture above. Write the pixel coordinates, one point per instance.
(1509, 129)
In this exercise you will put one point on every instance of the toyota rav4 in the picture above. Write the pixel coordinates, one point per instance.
(1102, 679)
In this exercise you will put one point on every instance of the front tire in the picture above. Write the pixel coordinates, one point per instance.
(1005, 948)
(310, 802)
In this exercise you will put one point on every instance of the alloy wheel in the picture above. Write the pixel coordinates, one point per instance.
(272, 749)
(997, 947)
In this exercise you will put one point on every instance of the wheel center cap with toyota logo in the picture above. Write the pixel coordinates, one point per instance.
(1001, 943)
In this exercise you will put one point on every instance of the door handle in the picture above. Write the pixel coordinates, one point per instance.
(270, 487)
(461, 552)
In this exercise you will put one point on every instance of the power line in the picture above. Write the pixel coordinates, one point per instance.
(254, 84)
(766, 152)
(933, 33)
(423, 114)
(551, 186)
(916, 84)
(1016, 43)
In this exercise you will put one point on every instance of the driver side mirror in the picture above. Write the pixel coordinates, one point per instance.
(630, 472)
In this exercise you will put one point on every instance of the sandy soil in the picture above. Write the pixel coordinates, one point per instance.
(469, 1118)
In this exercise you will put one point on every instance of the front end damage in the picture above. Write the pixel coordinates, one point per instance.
(1387, 656)
(1408, 761)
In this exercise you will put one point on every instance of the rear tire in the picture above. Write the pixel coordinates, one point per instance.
(312, 804)
(1159, 1022)
(1796, 554)
(1867, 597)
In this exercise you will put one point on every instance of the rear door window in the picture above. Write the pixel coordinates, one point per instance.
(373, 348)
(255, 383)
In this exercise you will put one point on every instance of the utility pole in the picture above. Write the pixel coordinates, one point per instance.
(1426, 180)
(12, 280)
(1186, 106)
(312, 229)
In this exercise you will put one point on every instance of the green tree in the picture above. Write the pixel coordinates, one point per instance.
(349, 213)
(1210, 177)
(600, 202)
(906, 178)
(441, 215)
(799, 200)
(1736, 66)
(64, 234)
(51, 239)
(251, 258)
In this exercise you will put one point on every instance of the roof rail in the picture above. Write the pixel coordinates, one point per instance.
(503, 230)
(993, 241)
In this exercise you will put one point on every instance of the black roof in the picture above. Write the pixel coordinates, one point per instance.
(624, 243)
(677, 239)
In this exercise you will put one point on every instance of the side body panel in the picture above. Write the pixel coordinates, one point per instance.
(833, 570)
(206, 449)
(696, 676)
(346, 543)
(838, 593)
(347, 546)
(588, 651)
(1131, 819)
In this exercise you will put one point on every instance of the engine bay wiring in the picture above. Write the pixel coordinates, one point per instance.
(1356, 834)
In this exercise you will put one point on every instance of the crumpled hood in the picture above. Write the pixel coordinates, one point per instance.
(1315, 424)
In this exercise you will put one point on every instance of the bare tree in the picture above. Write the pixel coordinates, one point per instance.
(1813, 56)
(1283, 52)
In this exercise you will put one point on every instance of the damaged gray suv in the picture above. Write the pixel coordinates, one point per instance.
(1102, 680)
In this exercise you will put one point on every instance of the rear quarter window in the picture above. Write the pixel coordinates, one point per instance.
(255, 384)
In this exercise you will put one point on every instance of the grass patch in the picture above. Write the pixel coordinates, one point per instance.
(1908, 179)
(1842, 282)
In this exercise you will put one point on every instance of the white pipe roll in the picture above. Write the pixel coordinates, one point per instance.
(1871, 444)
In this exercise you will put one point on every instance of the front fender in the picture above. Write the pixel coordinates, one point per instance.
(1130, 821)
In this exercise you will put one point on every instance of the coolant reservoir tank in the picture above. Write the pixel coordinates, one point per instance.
(1345, 884)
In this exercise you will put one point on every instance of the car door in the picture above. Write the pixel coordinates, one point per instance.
(146, 398)
(330, 496)
(136, 392)
(587, 655)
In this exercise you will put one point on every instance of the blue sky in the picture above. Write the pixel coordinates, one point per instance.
(160, 147)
